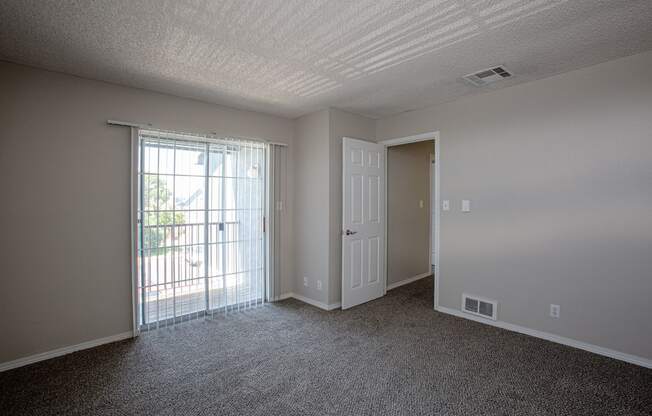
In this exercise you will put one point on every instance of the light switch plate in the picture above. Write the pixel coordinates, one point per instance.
(466, 205)
(421, 203)
(446, 205)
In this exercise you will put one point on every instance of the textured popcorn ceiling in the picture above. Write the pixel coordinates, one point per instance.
(291, 57)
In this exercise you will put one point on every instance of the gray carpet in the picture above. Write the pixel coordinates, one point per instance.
(393, 356)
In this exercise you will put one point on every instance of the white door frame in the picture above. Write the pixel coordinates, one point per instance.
(433, 207)
(433, 135)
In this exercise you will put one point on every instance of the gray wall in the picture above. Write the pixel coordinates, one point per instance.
(559, 172)
(318, 193)
(408, 225)
(64, 216)
(311, 222)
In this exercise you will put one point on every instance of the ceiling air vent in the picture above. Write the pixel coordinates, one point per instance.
(479, 306)
(487, 76)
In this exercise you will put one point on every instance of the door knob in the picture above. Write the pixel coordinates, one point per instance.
(349, 232)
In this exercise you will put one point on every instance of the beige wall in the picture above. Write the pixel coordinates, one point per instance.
(311, 222)
(408, 232)
(64, 211)
(559, 173)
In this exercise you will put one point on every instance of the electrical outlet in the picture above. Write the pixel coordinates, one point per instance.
(421, 203)
(318, 284)
(446, 205)
(554, 311)
(305, 281)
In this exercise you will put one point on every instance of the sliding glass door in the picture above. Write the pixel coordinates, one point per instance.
(201, 226)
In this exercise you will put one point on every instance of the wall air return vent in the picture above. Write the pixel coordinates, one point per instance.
(487, 76)
(479, 306)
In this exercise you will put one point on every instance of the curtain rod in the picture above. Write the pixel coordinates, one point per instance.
(149, 126)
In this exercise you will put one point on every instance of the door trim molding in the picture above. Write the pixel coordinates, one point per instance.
(435, 136)
(432, 208)
(431, 135)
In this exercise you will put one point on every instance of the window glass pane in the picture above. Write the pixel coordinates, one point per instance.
(216, 160)
(150, 156)
(150, 191)
(190, 158)
(249, 162)
(165, 185)
(166, 156)
(215, 193)
(187, 266)
(231, 161)
(230, 193)
(188, 192)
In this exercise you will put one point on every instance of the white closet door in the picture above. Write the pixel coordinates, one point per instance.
(363, 215)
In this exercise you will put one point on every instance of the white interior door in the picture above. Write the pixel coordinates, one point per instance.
(363, 216)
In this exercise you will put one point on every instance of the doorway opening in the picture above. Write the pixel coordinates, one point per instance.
(200, 228)
(412, 225)
(364, 219)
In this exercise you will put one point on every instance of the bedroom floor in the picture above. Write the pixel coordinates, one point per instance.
(392, 356)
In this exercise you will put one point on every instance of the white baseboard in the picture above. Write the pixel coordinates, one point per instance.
(629, 358)
(20, 362)
(408, 280)
(282, 296)
(320, 305)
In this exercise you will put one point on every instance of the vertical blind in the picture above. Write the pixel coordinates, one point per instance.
(201, 210)
(277, 193)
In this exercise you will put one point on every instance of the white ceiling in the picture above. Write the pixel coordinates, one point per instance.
(291, 57)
